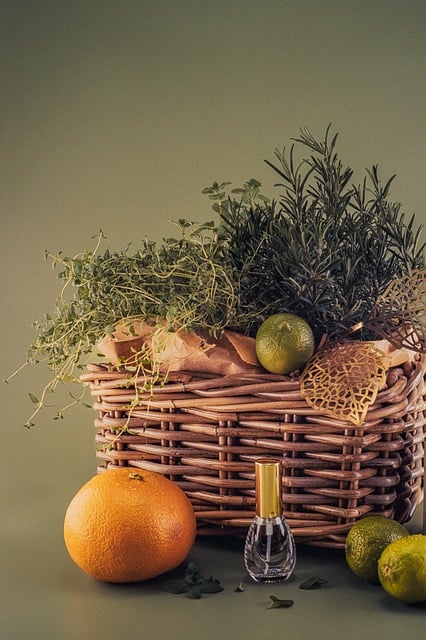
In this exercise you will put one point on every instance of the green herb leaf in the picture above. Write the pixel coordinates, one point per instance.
(176, 586)
(240, 588)
(278, 603)
(193, 584)
(193, 574)
(313, 583)
(195, 591)
(211, 586)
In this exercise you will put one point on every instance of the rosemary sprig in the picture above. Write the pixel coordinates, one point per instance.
(326, 250)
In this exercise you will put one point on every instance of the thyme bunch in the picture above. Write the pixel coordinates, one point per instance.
(184, 282)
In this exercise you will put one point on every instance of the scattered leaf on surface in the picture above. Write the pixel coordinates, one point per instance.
(313, 583)
(193, 584)
(278, 603)
(176, 586)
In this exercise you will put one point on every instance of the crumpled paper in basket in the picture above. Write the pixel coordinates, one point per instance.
(181, 350)
(398, 356)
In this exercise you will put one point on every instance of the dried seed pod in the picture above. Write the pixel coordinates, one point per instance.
(399, 314)
(343, 379)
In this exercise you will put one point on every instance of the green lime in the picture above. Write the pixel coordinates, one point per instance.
(402, 569)
(365, 542)
(284, 343)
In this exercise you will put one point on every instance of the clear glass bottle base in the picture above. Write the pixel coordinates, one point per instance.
(270, 550)
(270, 578)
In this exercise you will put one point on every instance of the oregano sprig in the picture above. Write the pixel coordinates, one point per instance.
(194, 584)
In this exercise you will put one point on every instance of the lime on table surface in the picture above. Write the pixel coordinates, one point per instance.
(402, 569)
(284, 343)
(365, 542)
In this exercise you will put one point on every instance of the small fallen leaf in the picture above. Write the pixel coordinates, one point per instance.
(193, 584)
(176, 586)
(313, 583)
(211, 586)
(195, 592)
(278, 603)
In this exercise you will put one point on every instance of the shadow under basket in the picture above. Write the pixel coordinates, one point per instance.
(205, 432)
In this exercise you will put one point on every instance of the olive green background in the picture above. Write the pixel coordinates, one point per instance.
(114, 116)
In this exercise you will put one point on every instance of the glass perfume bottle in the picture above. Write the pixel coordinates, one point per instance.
(270, 550)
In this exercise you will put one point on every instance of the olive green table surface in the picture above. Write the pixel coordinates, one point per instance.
(45, 596)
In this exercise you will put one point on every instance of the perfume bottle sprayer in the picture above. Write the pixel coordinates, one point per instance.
(270, 550)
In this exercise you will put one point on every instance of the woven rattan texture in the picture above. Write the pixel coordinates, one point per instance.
(205, 433)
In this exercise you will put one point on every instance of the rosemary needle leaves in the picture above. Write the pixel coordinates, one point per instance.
(326, 250)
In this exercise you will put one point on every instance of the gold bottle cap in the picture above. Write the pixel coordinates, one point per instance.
(268, 488)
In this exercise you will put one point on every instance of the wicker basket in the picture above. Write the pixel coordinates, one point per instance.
(205, 432)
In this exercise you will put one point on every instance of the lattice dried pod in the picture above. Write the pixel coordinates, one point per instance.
(343, 379)
(400, 312)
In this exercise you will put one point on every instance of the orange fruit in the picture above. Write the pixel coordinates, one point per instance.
(284, 343)
(128, 525)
